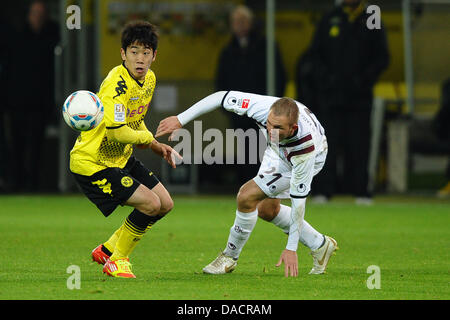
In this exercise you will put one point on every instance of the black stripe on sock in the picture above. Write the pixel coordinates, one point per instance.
(106, 251)
(154, 219)
(138, 219)
(133, 228)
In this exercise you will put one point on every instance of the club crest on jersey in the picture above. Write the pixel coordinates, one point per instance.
(121, 87)
(126, 181)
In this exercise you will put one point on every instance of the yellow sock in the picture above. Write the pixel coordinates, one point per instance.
(111, 243)
(127, 240)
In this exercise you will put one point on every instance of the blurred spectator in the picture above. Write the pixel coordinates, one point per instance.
(242, 63)
(442, 129)
(242, 67)
(31, 94)
(348, 58)
(304, 79)
(5, 34)
(3, 150)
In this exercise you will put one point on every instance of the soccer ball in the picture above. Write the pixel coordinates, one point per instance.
(82, 110)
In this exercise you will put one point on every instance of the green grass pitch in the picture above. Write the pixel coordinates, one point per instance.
(407, 238)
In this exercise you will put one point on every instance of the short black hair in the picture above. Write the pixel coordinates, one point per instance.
(142, 32)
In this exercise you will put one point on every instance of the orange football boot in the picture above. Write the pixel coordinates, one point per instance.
(120, 268)
(98, 255)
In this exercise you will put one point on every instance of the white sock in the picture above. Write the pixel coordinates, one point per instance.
(240, 232)
(283, 218)
(309, 236)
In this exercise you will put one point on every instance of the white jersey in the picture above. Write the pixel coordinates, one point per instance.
(287, 168)
(307, 142)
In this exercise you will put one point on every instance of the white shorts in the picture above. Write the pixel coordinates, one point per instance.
(274, 174)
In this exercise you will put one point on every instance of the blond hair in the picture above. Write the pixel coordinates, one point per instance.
(286, 107)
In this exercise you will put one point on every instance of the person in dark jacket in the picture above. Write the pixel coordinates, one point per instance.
(31, 94)
(242, 66)
(304, 80)
(348, 59)
(442, 130)
(4, 141)
(242, 62)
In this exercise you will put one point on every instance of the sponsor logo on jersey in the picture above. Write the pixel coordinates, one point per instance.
(121, 87)
(231, 246)
(301, 188)
(231, 100)
(135, 112)
(243, 103)
(104, 185)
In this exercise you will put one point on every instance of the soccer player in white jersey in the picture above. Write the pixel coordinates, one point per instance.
(296, 152)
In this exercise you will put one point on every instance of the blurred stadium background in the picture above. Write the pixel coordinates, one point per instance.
(193, 32)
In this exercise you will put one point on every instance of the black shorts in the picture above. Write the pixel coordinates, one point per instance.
(112, 187)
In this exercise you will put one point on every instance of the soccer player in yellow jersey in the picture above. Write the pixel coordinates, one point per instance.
(101, 159)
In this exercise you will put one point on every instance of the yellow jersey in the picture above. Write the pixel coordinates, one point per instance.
(126, 102)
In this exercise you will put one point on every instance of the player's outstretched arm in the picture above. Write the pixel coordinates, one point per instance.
(126, 135)
(168, 126)
(207, 104)
(163, 150)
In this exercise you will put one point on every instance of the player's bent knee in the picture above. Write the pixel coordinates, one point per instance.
(150, 207)
(268, 210)
(166, 206)
(246, 199)
(242, 199)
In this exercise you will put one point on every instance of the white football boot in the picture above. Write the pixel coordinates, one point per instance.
(221, 265)
(322, 255)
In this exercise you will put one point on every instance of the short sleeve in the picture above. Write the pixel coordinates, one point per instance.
(113, 95)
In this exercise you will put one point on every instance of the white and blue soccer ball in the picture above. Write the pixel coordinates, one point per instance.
(83, 110)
